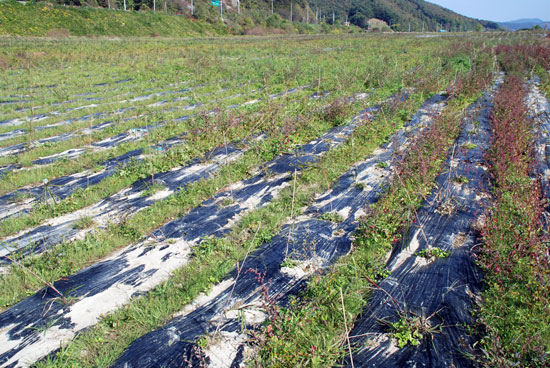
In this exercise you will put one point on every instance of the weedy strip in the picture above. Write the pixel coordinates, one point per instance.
(353, 64)
(514, 314)
(235, 245)
(80, 253)
(291, 341)
(120, 173)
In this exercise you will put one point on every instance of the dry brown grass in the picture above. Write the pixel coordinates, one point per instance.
(58, 33)
(4, 63)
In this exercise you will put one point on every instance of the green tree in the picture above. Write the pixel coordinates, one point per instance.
(360, 20)
(274, 21)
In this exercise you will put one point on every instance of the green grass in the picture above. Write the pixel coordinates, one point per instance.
(354, 64)
(544, 79)
(288, 69)
(514, 316)
(432, 253)
(469, 146)
(332, 217)
(52, 266)
(315, 318)
(155, 163)
(43, 19)
(217, 257)
(84, 223)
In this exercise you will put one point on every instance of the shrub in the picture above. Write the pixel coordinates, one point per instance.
(274, 21)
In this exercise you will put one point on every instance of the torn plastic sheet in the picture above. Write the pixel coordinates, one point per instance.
(9, 205)
(74, 96)
(78, 98)
(120, 138)
(98, 115)
(315, 242)
(130, 200)
(436, 293)
(22, 200)
(19, 148)
(539, 111)
(12, 134)
(109, 284)
(13, 102)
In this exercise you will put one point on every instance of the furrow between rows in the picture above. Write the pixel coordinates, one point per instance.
(111, 283)
(111, 210)
(80, 131)
(434, 282)
(57, 114)
(310, 240)
(63, 187)
(81, 94)
(134, 134)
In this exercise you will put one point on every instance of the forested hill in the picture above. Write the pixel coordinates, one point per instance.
(399, 14)
(189, 17)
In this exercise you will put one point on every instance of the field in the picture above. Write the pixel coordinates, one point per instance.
(334, 200)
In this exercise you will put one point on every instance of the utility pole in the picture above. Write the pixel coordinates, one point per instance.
(317, 14)
(221, 10)
(192, 7)
(291, 11)
(271, 6)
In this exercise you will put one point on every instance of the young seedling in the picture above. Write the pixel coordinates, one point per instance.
(469, 146)
(461, 180)
(360, 186)
(406, 331)
(412, 328)
(84, 222)
(47, 192)
(227, 202)
(382, 165)
(332, 217)
(46, 326)
(432, 253)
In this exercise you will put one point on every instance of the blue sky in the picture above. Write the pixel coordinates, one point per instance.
(499, 10)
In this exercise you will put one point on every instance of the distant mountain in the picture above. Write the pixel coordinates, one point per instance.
(518, 24)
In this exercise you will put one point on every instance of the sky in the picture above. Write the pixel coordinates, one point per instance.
(499, 10)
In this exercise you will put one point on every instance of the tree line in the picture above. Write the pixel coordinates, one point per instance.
(400, 15)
